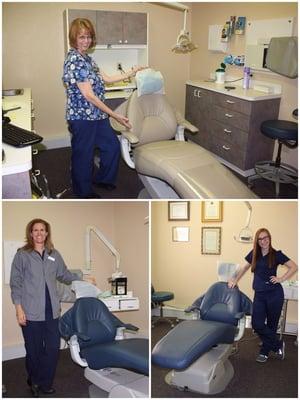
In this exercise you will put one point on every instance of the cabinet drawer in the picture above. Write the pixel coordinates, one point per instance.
(129, 304)
(231, 118)
(231, 134)
(232, 103)
(229, 152)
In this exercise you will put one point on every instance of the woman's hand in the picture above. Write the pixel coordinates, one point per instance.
(231, 283)
(135, 69)
(275, 279)
(91, 279)
(21, 317)
(122, 120)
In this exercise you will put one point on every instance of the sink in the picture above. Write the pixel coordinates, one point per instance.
(12, 92)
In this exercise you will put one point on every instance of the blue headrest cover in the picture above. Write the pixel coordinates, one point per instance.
(221, 303)
(90, 320)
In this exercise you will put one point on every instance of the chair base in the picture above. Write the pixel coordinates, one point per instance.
(117, 382)
(210, 374)
(278, 174)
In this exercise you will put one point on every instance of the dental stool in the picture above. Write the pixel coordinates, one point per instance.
(171, 168)
(197, 351)
(97, 342)
(286, 133)
(157, 300)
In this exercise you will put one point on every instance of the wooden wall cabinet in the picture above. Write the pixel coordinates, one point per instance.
(230, 127)
(115, 27)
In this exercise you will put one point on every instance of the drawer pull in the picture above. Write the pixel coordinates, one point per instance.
(225, 147)
(228, 115)
(227, 131)
(230, 102)
(197, 93)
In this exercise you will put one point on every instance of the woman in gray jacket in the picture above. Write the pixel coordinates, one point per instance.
(35, 269)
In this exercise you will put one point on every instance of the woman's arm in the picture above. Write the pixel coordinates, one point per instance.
(292, 268)
(233, 282)
(121, 77)
(87, 92)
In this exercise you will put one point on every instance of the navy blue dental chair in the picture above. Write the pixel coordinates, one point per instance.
(92, 332)
(157, 300)
(197, 351)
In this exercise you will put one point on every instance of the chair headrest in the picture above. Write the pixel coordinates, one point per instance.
(227, 271)
(221, 304)
(149, 81)
(88, 318)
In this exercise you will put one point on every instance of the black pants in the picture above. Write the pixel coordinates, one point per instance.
(267, 308)
(42, 342)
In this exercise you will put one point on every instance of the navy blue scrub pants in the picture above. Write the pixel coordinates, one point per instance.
(86, 136)
(267, 306)
(42, 342)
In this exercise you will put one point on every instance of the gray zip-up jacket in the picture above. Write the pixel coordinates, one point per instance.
(29, 276)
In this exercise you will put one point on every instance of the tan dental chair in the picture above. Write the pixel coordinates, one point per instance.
(171, 168)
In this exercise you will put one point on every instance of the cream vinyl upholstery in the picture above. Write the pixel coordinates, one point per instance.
(188, 168)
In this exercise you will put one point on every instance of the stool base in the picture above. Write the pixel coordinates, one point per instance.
(278, 174)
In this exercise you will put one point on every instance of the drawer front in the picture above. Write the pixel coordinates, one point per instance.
(233, 103)
(231, 118)
(229, 152)
(231, 134)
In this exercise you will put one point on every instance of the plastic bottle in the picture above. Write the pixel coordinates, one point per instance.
(246, 80)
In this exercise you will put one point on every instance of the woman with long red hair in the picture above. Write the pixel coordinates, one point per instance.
(268, 298)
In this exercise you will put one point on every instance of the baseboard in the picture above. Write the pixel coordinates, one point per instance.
(18, 351)
(174, 312)
(56, 142)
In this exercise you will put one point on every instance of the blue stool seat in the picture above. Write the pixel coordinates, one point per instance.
(157, 300)
(160, 297)
(280, 130)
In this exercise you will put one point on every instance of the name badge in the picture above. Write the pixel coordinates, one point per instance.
(51, 258)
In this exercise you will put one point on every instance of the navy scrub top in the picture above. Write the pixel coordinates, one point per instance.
(262, 273)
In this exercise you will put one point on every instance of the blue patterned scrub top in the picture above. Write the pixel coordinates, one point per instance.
(82, 68)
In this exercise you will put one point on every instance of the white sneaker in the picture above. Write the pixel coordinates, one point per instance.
(261, 358)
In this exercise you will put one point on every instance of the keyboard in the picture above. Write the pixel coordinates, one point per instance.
(19, 137)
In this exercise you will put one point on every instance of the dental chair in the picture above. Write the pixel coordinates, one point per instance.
(97, 341)
(197, 351)
(170, 168)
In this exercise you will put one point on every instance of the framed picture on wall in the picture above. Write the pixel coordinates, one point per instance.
(181, 234)
(211, 240)
(179, 210)
(212, 211)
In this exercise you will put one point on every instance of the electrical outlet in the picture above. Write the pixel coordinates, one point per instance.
(119, 66)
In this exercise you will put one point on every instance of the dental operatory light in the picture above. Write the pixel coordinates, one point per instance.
(246, 235)
(108, 244)
(184, 44)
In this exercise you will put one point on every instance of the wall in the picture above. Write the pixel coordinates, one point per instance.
(203, 62)
(181, 268)
(68, 221)
(33, 54)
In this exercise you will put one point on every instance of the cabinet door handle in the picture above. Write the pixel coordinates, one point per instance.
(225, 147)
(228, 115)
(125, 41)
(120, 41)
(197, 93)
(230, 102)
(35, 152)
(227, 131)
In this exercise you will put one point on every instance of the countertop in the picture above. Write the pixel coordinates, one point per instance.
(239, 92)
(18, 160)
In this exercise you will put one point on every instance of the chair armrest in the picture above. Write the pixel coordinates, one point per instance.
(186, 124)
(75, 352)
(131, 137)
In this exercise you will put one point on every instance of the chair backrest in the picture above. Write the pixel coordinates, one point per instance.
(89, 318)
(152, 117)
(221, 304)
